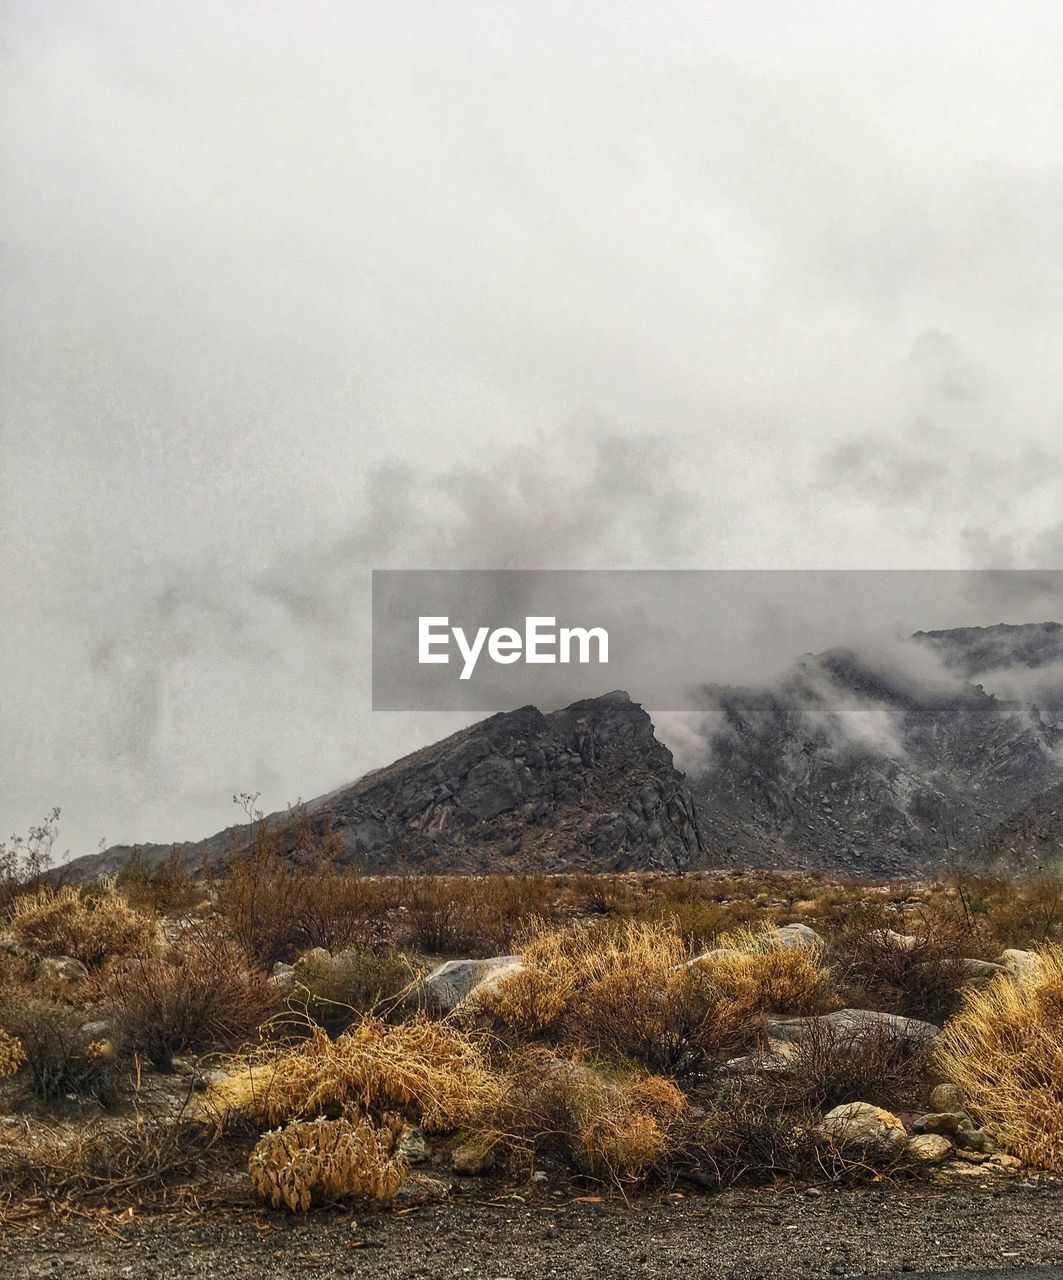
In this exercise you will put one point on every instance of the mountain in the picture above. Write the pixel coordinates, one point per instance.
(890, 766)
(586, 788)
(1029, 840)
(903, 762)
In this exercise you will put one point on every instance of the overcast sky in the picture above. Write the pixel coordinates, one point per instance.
(293, 291)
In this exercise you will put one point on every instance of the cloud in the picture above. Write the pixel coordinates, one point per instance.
(291, 295)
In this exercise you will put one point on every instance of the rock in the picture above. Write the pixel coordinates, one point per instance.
(976, 1140)
(1021, 966)
(899, 941)
(847, 1026)
(445, 988)
(973, 1157)
(944, 1122)
(472, 1158)
(1004, 1163)
(776, 1060)
(61, 970)
(929, 1148)
(412, 1146)
(980, 970)
(947, 1097)
(792, 937)
(282, 978)
(875, 1130)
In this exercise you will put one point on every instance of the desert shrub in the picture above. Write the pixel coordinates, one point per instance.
(166, 888)
(322, 1161)
(758, 971)
(744, 1137)
(12, 1055)
(61, 1056)
(475, 916)
(1005, 1051)
(430, 1073)
(285, 892)
(92, 926)
(825, 1069)
(1020, 913)
(101, 1162)
(619, 1130)
(626, 989)
(200, 993)
(332, 990)
(915, 969)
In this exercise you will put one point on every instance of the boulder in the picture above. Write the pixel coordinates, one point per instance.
(929, 1148)
(848, 1026)
(472, 1158)
(891, 938)
(61, 969)
(873, 1129)
(980, 970)
(282, 978)
(792, 937)
(947, 1123)
(442, 990)
(1020, 965)
(976, 1140)
(947, 1097)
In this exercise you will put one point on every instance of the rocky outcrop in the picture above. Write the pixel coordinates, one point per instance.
(847, 765)
(586, 788)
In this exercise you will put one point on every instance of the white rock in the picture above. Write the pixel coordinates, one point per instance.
(860, 1124)
(445, 988)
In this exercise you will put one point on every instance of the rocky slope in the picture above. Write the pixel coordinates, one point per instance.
(589, 787)
(886, 767)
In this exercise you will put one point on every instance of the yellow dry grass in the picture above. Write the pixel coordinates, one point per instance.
(1005, 1050)
(429, 1072)
(91, 927)
(758, 971)
(12, 1055)
(322, 1161)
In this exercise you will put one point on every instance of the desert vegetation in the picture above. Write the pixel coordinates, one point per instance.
(290, 1031)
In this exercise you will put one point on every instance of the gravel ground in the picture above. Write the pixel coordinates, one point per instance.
(533, 1235)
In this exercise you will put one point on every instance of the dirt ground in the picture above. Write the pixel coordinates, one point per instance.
(527, 1234)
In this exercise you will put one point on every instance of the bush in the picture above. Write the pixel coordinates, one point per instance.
(430, 1073)
(200, 994)
(164, 889)
(628, 990)
(758, 971)
(92, 926)
(12, 1055)
(918, 973)
(101, 1162)
(335, 989)
(1005, 1051)
(825, 1069)
(61, 1056)
(618, 1130)
(322, 1161)
(284, 894)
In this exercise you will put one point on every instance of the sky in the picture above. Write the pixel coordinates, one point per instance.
(291, 292)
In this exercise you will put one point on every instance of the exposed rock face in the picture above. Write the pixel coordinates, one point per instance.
(849, 765)
(588, 787)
